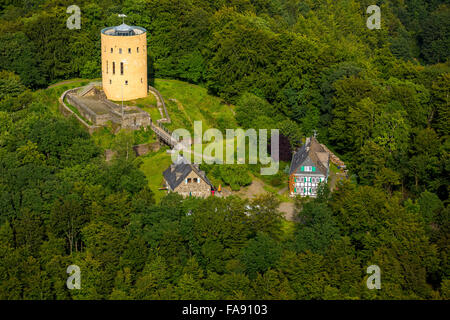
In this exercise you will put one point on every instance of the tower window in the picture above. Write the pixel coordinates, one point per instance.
(121, 68)
(141, 80)
(129, 50)
(114, 67)
(120, 50)
(126, 82)
(110, 81)
(106, 66)
(137, 49)
(112, 50)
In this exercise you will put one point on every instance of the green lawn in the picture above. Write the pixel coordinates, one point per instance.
(147, 104)
(153, 166)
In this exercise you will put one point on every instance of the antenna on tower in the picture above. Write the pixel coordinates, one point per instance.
(123, 16)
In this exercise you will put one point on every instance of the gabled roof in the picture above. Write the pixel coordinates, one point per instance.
(312, 150)
(176, 173)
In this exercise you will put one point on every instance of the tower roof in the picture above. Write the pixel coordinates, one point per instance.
(123, 30)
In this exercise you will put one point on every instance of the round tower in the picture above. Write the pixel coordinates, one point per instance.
(124, 62)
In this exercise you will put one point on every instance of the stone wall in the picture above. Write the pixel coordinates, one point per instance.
(136, 120)
(82, 108)
(143, 149)
(67, 112)
(133, 117)
(109, 154)
(196, 189)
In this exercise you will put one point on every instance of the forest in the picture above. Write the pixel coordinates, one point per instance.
(378, 98)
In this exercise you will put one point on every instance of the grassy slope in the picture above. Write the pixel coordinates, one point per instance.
(153, 166)
(194, 104)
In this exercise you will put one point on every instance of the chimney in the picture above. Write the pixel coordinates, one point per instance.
(307, 141)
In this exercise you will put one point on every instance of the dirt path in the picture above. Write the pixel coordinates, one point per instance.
(256, 188)
(158, 104)
(288, 210)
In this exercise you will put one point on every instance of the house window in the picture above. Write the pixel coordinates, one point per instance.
(189, 180)
(114, 67)
(129, 50)
(121, 68)
(313, 169)
(195, 179)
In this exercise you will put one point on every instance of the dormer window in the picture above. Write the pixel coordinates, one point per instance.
(309, 169)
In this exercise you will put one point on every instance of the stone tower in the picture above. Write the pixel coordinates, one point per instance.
(124, 62)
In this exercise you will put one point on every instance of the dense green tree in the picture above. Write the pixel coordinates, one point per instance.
(317, 228)
(261, 254)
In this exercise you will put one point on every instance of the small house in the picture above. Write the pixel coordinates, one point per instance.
(187, 179)
(309, 167)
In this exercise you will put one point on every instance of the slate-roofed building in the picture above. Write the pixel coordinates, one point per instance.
(309, 167)
(187, 179)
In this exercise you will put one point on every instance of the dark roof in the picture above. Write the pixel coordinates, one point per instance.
(176, 173)
(310, 150)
